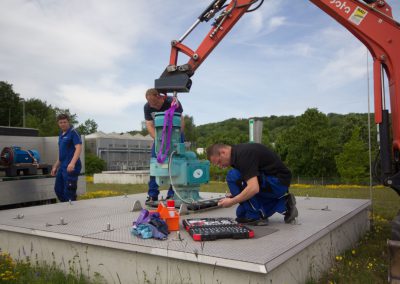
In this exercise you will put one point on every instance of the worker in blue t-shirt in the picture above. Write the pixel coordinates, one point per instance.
(157, 103)
(68, 165)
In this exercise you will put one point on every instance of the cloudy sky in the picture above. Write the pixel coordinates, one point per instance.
(97, 58)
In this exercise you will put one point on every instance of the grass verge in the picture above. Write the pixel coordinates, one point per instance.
(35, 272)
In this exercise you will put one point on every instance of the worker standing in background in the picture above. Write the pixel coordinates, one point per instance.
(259, 182)
(158, 103)
(68, 165)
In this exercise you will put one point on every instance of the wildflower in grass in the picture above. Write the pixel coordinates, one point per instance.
(339, 258)
(98, 194)
(353, 252)
(89, 178)
(379, 218)
(370, 265)
(350, 263)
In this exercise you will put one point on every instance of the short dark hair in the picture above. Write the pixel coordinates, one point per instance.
(62, 116)
(213, 150)
(151, 93)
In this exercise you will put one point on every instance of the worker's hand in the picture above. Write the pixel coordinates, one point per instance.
(70, 167)
(53, 171)
(226, 202)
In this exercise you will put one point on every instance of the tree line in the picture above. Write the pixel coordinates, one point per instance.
(314, 144)
(38, 114)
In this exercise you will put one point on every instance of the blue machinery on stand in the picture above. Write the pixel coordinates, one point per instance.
(15, 160)
(181, 168)
(16, 155)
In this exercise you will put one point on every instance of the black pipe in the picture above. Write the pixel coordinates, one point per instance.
(215, 5)
(384, 137)
(369, 1)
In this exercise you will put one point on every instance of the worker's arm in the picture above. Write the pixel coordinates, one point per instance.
(250, 190)
(150, 128)
(78, 150)
(55, 167)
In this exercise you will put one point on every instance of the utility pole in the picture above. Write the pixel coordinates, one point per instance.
(255, 130)
(23, 111)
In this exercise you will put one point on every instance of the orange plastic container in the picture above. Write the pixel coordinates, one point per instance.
(172, 222)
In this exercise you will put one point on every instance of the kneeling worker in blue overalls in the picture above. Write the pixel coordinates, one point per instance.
(259, 182)
(68, 165)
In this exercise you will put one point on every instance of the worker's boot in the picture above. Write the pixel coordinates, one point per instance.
(252, 222)
(291, 209)
(151, 199)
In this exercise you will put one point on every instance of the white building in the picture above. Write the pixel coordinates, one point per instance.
(122, 152)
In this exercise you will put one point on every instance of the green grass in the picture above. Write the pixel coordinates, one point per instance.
(367, 262)
(121, 188)
(35, 272)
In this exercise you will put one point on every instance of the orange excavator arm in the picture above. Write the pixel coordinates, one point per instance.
(370, 21)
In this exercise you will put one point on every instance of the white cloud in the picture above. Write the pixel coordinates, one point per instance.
(345, 66)
(256, 22)
(100, 99)
(97, 57)
(286, 51)
(64, 52)
(276, 22)
(259, 22)
(65, 34)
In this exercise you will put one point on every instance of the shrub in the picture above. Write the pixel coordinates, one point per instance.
(217, 173)
(94, 164)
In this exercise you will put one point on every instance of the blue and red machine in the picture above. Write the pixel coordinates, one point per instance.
(17, 155)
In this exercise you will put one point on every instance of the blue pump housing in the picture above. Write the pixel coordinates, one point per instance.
(181, 166)
(17, 155)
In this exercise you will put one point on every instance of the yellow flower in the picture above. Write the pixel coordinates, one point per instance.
(353, 252)
(89, 179)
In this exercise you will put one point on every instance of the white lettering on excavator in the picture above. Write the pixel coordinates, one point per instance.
(341, 5)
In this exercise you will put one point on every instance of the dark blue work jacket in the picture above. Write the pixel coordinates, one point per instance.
(66, 147)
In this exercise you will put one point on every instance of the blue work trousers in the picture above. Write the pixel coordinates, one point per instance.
(269, 200)
(66, 184)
